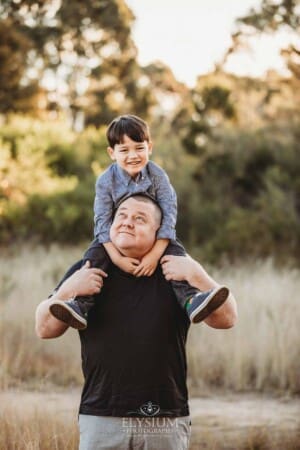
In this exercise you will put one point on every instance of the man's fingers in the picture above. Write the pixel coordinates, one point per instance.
(100, 272)
(165, 259)
(87, 264)
(95, 270)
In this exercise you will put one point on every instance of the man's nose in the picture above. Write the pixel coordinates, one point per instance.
(127, 222)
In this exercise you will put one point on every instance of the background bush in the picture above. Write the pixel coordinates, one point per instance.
(239, 197)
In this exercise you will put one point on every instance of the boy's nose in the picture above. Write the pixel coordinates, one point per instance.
(132, 153)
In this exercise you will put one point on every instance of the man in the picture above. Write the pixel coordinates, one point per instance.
(133, 350)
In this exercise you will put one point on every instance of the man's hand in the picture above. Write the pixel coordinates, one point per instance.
(177, 267)
(127, 264)
(85, 281)
(147, 265)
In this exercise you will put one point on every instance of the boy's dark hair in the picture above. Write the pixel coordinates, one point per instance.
(134, 127)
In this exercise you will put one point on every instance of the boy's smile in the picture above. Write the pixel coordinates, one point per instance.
(130, 155)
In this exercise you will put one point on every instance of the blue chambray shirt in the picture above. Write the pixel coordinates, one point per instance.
(115, 183)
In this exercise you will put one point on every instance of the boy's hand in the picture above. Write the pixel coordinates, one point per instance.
(127, 264)
(147, 265)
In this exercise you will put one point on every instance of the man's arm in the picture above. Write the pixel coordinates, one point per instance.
(86, 281)
(185, 268)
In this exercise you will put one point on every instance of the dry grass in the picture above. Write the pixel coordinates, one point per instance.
(252, 438)
(37, 430)
(261, 353)
(46, 427)
(26, 278)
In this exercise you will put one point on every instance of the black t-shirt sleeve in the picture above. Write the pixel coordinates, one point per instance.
(69, 272)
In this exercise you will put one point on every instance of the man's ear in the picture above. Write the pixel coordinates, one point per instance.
(111, 153)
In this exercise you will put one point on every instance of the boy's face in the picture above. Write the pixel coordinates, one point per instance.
(130, 155)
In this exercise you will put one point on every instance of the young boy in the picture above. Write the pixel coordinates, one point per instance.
(131, 174)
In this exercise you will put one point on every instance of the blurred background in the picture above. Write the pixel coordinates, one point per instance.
(219, 85)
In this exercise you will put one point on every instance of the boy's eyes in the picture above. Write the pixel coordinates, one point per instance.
(138, 149)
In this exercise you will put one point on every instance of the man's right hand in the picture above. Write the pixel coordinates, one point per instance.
(85, 281)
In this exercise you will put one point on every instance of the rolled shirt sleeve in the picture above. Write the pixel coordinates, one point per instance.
(103, 210)
(167, 199)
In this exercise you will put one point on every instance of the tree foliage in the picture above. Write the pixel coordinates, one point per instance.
(269, 17)
(83, 49)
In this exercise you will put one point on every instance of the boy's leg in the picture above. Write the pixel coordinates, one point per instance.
(182, 289)
(197, 304)
(75, 311)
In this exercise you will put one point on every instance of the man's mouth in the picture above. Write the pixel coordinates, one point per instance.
(126, 232)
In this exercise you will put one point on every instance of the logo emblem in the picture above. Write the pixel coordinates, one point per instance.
(149, 409)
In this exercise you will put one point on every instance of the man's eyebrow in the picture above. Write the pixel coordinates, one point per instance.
(124, 208)
(142, 213)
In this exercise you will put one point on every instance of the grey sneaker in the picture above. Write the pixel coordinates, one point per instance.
(70, 313)
(204, 303)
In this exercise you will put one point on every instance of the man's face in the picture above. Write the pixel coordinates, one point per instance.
(134, 228)
(130, 155)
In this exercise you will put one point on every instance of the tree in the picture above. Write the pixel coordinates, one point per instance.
(271, 16)
(81, 51)
(16, 93)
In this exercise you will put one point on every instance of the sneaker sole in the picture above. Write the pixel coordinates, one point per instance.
(211, 303)
(61, 311)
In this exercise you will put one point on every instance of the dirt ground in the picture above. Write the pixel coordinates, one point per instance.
(224, 421)
(222, 417)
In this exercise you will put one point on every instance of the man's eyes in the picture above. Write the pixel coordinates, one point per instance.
(140, 219)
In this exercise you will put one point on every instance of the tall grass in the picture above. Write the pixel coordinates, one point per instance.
(37, 429)
(42, 428)
(27, 276)
(262, 352)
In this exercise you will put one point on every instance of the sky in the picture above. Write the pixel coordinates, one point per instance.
(191, 35)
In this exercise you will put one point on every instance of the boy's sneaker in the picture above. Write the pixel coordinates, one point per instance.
(69, 312)
(201, 305)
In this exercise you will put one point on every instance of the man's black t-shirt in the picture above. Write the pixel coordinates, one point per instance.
(133, 349)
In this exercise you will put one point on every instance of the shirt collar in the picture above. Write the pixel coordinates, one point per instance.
(126, 178)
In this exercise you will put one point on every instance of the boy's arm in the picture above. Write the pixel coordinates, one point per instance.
(167, 200)
(149, 262)
(103, 209)
(123, 262)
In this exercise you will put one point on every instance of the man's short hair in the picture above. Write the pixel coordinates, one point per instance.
(133, 126)
(146, 199)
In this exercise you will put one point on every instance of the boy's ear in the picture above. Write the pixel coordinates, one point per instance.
(150, 147)
(111, 153)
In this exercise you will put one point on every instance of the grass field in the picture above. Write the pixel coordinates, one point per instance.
(260, 355)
